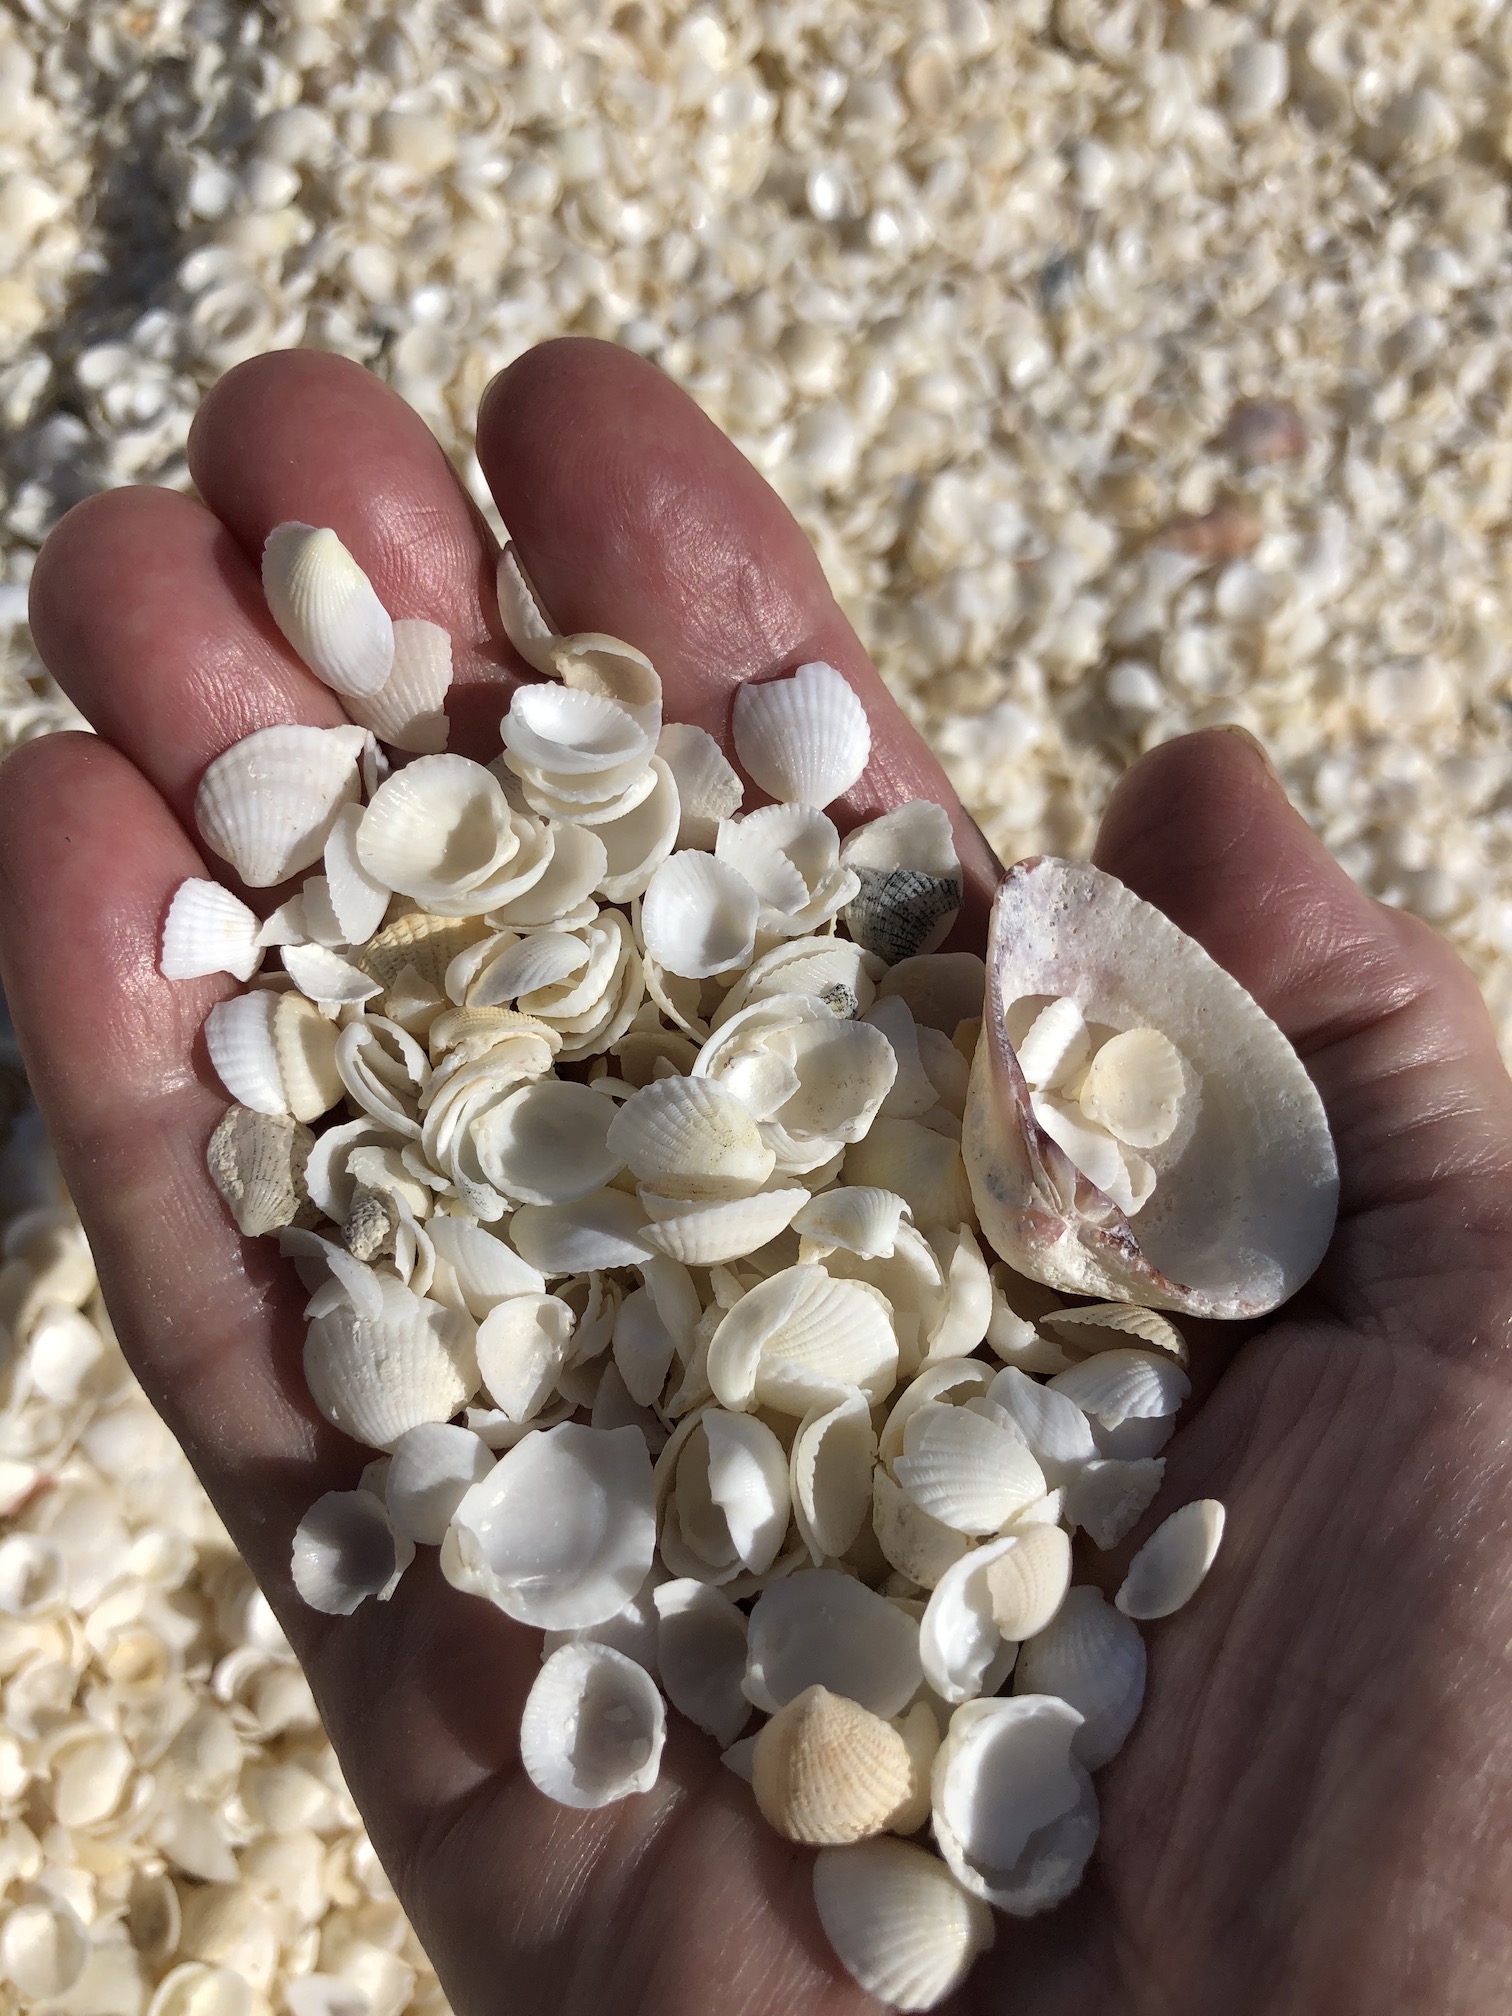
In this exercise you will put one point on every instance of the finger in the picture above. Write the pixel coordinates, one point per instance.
(1388, 1019)
(634, 514)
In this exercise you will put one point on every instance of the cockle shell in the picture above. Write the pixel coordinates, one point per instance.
(593, 1726)
(268, 802)
(274, 1053)
(960, 1379)
(327, 979)
(523, 1343)
(916, 1163)
(208, 930)
(326, 607)
(1246, 1190)
(562, 1531)
(345, 1550)
(862, 1221)
(1103, 1326)
(704, 1233)
(433, 1468)
(708, 788)
(376, 1375)
(1168, 1569)
(442, 831)
(406, 710)
(969, 1473)
(358, 902)
(798, 1339)
(1106, 1499)
(698, 916)
(589, 661)
(43, 1948)
(831, 1468)
(911, 881)
(1028, 1582)
(257, 1162)
(823, 1628)
(842, 975)
(701, 1655)
(564, 893)
(790, 855)
(904, 1928)
(689, 1137)
(1093, 1657)
(805, 739)
(962, 1651)
(1113, 1387)
(1014, 1812)
(559, 734)
(1050, 1421)
(826, 1770)
(640, 839)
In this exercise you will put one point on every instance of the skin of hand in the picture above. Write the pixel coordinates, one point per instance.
(1315, 1811)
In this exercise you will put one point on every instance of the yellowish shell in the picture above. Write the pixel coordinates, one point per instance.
(827, 1771)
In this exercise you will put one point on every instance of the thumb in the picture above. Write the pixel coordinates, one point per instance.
(1387, 1018)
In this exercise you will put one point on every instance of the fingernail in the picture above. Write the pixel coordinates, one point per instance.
(1244, 735)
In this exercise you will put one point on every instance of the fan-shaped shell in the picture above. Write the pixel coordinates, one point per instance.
(563, 893)
(590, 661)
(268, 803)
(822, 1628)
(1103, 1326)
(910, 881)
(699, 916)
(1108, 1498)
(327, 608)
(325, 977)
(701, 1655)
(790, 855)
(969, 1473)
(208, 930)
(903, 1927)
(604, 1230)
(827, 1771)
(375, 1376)
(1092, 1656)
(1246, 1189)
(922, 1167)
(723, 1482)
(593, 1727)
(406, 710)
(1014, 1812)
(239, 1038)
(708, 788)
(441, 830)
(861, 1220)
(1050, 1421)
(523, 1344)
(304, 1044)
(1133, 1087)
(1028, 1582)
(962, 1378)
(832, 1456)
(805, 739)
(257, 1162)
(798, 1339)
(840, 974)
(917, 1546)
(689, 1137)
(962, 1651)
(44, 1948)
(1124, 1385)
(345, 1550)
(701, 1234)
(1169, 1568)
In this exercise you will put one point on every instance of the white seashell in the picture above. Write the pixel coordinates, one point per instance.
(917, 1546)
(523, 1344)
(913, 1091)
(194, 1989)
(304, 1046)
(432, 1469)
(562, 1531)
(698, 916)
(1054, 1052)
(208, 930)
(804, 739)
(576, 868)
(960, 1647)
(593, 1727)
(862, 1221)
(640, 840)
(689, 1137)
(796, 1340)
(944, 989)
(1133, 1087)
(43, 1948)
(1102, 1326)
(267, 804)
(969, 1473)
(326, 978)
(814, 1080)
(708, 788)
(1028, 1583)
(831, 1470)
(1246, 1189)
(1109, 1497)
(911, 881)
(827, 1771)
(1050, 1421)
(822, 1628)
(1169, 1568)
(257, 1162)
(1093, 1657)
(406, 711)
(1089, 1147)
(1014, 1812)
(790, 855)
(325, 606)
(239, 1038)
(592, 662)
(723, 1483)
(545, 1143)
(1124, 1385)
(922, 1167)
(358, 902)
(346, 1550)
(526, 624)
(487, 1270)
(564, 734)
(376, 1376)
(442, 831)
(643, 1347)
(841, 975)
(961, 1379)
(902, 1926)
(708, 1234)
(631, 1630)
(604, 1230)
(701, 1653)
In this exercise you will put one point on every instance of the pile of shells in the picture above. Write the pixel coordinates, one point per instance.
(657, 1143)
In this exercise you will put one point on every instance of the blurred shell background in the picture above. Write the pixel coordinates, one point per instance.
(1133, 367)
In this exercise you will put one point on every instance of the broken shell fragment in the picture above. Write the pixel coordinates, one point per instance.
(701, 1656)
(823, 1628)
(962, 1651)
(832, 1457)
(1246, 1188)
(1093, 1657)
(708, 788)
(208, 930)
(326, 608)
(406, 710)
(1106, 1499)
(433, 1468)
(903, 1927)
(827, 1771)
(1014, 1812)
(257, 1162)
(805, 739)
(1168, 1569)
(346, 1550)
(268, 802)
(593, 1727)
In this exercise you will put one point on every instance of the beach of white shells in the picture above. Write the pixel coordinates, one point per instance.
(979, 288)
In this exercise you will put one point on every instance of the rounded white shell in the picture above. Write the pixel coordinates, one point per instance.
(698, 916)
(1168, 1569)
(640, 839)
(441, 830)
(326, 607)
(805, 739)
(376, 1376)
(798, 1339)
(904, 1929)
(708, 788)
(962, 1651)
(268, 802)
(703, 1234)
(1246, 1189)
(523, 1344)
(593, 1726)
(545, 1143)
(346, 1550)
(406, 710)
(563, 733)
(1014, 1812)
(1093, 1657)
(208, 930)
(434, 1466)
(822, 1628)
(701, 1655)
(689, 1137)
(970, 1473)
(239, 1038)
(863, 1221)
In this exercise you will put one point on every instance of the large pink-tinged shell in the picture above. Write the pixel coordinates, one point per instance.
(1247, 1188)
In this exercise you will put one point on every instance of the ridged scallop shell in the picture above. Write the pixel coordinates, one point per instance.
(1014, 1812)
(707, 1234)
(418, 940)
(911, 881)
(326, 607)
(268, 802)
(961, 1378)
(969, 1473)
(841, 975)
(826, 1771)
(831, 1467)
(1028, 1582)
(1133, 1087)
(805, 739)
(962, 1651)
(921, 1166)
(1102, 1326)
(526, 624)
(1108, 1498)
(512, 1538)
(701, 1655)
(593, 1727)
(1055, 1427)
(257, 1162)
(698, 916)
(822, 1628)
(345, 1550)
(1169, 1568)
(862, 1221)
(604, 1230)
(441, 831)
(558, 732)
(208, 930)
(689, 1137)
(433, 1468)
(1124, 1385)
(797, 1339)
(640, 840)
(1054, 1052)
(375, 1376)
(900, 1923)
(1246, 1190)
(1093, 1657)
(406, 711)
(708, 788)
(239, 1038)
(916, 1545)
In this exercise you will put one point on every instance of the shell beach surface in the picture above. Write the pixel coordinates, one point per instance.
(1247, 477)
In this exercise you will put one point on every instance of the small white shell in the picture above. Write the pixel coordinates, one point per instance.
(1028, 1582)
(1103, 1326)
(304, 1045)
(257, 1162)
(839, 974)
(805, 739)
(604, 1230)
(790, 855)
(562, 1531)
(798, 1339)
(643, 1347)
(970, 1473)
(564, 734)
(911, 881)
(701, 1654)
(640, 839)
(592, 662)
(689, 1137)
(208, 930)
(43, 1948)
(326, 607)
(563, 893)
(831, 1468)
(708, 788)
(863, 1221)
(1124, 1385)
(1055, 1050)
(358, 902)
(962, 1651)
(523, 1344)
(698, 916)
(487, 1269)
(917, 1546)
(922, 1167)
(1014, 1812)
(239, 1038)
(374, 1376)
(325, 977)
(545, 1143)
(433, 1468)
(1093, 1657)
(1168, 1569)
(707, 1234)
(722, 1481)
(903, 1927)
(526, 624)
(822, 1628)
(406, 710)
(593, 1726)
(1133, 1087)
(1108, 1498)
(346, 1550)
(441, 830)
(267, 804)
(1050, 1421)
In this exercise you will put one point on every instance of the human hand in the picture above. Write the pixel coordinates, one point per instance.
(1313, 1812)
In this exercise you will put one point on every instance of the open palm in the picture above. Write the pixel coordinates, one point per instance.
(1315, 1812)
